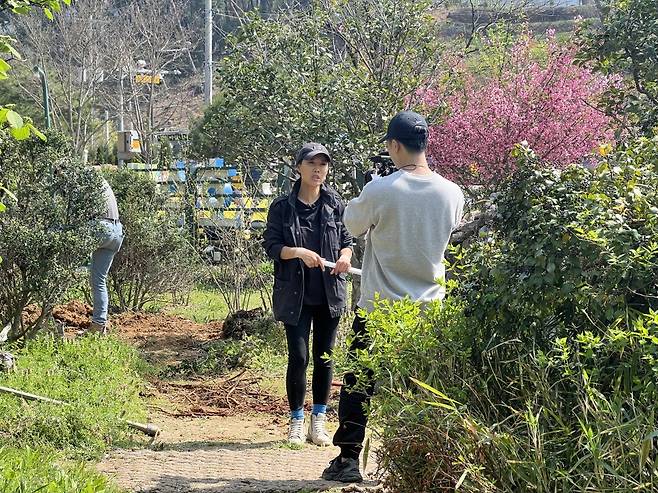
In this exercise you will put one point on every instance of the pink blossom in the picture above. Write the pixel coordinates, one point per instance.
(550, 105)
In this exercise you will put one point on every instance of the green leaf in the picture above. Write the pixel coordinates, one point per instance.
(644, 452)
(4, 66)
(6, 47)
(8, 193)
(20, 133)
(48, 13)
(441, 405)
(13, 119)
(36, 132)
(3, 207)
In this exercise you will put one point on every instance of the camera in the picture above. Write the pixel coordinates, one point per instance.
(382, 166)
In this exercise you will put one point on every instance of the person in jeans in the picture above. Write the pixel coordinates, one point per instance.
(101, 259)
(303, 229)
(409, 216)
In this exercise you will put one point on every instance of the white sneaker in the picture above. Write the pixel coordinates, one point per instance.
(296, 432)
(317, 433)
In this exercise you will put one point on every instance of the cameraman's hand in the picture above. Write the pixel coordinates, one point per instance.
(310, 258)
(371, 175)
(342, 265)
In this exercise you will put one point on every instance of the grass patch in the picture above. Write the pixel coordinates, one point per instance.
(270, 359)
(275, 384)
(29, 470)
(203, 305)
(99, 378)
(290, 446)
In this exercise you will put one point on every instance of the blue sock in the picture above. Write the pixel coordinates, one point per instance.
(297, 413)
(319, 409)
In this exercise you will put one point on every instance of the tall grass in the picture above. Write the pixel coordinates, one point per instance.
(29, 471)
(579, 417)
(99, 379)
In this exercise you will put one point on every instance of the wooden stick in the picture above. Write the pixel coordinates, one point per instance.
(31, 397)
(149, 429)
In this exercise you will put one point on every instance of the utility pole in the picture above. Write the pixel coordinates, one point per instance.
(120, 162)
(46, 96)
(107, 128)
(207, 67)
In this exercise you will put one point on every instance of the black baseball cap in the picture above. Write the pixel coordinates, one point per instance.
(310, 150)
(406, 127)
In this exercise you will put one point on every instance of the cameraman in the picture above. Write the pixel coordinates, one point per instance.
(409, 216)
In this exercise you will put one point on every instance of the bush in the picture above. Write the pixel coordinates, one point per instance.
(243, 271)
(567, 250)
(97, 376)
(406, 345)
(257, 341)
(581, 417)
(607, 46)
(46, 232)
(156, 257)
(23, 470)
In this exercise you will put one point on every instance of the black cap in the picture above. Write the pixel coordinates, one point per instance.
(406, 127)
(310, 150)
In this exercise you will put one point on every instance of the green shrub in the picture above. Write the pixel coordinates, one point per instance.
(567, 249)
(582, 417)
(98, 378)
(157, 257)
(46, 232)
(217, 358)
(27, 470)
(244, 270)
(408, 343)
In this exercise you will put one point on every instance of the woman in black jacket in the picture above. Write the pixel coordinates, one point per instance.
(304, 229)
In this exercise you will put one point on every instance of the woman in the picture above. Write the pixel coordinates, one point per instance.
(111, 239)
(304, 229)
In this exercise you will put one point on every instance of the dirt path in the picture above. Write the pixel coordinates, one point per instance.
(221, 455)
(220, 435)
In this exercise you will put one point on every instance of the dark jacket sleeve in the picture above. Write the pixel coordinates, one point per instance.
(273, 234)
(346, 239)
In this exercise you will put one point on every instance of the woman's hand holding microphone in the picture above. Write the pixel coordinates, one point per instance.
(313, 260)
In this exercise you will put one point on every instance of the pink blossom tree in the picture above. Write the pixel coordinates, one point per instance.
(550, 105)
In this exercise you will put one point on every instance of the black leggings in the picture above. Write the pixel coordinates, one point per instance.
(324, 337)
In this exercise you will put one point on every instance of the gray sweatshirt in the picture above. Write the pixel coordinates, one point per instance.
(408, 219)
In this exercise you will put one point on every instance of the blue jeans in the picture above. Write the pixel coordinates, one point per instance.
(101, 261)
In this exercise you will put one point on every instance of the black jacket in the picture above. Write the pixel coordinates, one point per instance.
(283, 230)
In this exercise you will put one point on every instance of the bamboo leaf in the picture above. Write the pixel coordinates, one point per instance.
(434, 391)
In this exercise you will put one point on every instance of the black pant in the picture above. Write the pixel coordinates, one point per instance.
(324, 337)
(352, 417)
